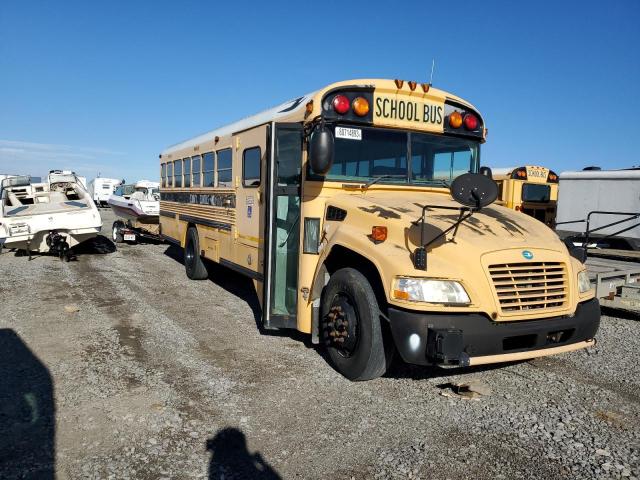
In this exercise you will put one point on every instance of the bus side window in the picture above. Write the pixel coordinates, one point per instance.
(195, 171)
(163, 173)
(177, 173)
(224, 168)
(251, 167)
(187, 171)
(208, 169)
(169, 174)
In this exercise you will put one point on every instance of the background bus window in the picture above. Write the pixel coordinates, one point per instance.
(163, 173)
(224, 168)
(251, 167)
(195, 171)
(207, 169)
(532, 192)
(187, 172)
(177, 173)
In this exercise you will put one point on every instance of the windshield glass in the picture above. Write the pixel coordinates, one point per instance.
(532, 192)
(363, 154)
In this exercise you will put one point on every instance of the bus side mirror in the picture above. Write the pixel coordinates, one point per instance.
(486, 171)
(321, 150)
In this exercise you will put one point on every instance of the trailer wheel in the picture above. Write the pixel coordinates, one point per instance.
(193, 263)
(351, 327)
(116, 231)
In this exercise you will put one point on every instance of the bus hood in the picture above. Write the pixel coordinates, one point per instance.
(492, 228)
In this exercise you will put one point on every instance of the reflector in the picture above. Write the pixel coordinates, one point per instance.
(378, 234)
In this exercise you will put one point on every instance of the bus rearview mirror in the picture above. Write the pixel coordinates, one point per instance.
(474, 190)
(321, 150)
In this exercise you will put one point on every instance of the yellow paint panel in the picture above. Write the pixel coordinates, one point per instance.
(405, 111)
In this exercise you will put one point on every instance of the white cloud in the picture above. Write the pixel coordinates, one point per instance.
(38, 158)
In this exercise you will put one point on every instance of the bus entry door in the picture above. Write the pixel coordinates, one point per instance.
(282, 235)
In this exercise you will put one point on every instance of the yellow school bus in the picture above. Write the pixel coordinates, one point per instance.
(529, 189)
(364, 218)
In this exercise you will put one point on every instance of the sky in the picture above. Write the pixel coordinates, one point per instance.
(104, 87)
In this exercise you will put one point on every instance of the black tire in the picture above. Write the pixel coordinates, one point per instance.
(363, 354)
(193, 263)
(116, 231)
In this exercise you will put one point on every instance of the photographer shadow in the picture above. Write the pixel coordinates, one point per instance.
(231, 459)
(27, 412)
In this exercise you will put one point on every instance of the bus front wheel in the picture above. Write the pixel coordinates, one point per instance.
(193, 263)
(351, 327)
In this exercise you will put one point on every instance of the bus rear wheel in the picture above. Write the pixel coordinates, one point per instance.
(193, 263)
(351, 327)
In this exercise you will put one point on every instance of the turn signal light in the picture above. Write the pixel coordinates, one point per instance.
(341, 104)
(360, 106)
(455, 120)
(470, 122)
(378, 234)
(401, 295)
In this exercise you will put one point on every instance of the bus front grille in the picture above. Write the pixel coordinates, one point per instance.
(530, 286)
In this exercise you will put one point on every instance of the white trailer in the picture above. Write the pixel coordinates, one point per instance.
(101, 189)
(601, 207)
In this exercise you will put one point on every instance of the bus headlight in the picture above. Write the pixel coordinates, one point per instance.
(430, 291)
(584, 284)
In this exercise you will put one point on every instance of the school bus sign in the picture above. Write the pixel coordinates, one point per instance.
(409, 112)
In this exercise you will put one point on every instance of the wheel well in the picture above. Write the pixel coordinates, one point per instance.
(342, 257)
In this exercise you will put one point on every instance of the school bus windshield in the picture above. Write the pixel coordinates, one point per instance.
(364, 154)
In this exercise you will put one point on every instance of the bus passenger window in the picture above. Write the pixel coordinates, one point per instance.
(169, 174)
(207, 169)
(224, 168)
(177, 173)
(163, 173)
(187, 172)
(251, 167)
(195, 169)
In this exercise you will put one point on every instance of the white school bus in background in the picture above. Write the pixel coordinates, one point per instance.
(338, 205)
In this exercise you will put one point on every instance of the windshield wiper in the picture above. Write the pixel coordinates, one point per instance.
(381, 177)
(437, 181)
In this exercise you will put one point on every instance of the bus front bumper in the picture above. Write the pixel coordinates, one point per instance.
(474, 339)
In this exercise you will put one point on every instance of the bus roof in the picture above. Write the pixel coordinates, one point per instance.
(291, 108)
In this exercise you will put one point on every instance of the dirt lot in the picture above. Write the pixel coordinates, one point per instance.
(156, 376)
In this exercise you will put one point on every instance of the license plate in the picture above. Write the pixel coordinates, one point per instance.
(129, 237)
(349, 133)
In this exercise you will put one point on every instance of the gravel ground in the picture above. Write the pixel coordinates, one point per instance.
(117, 366)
